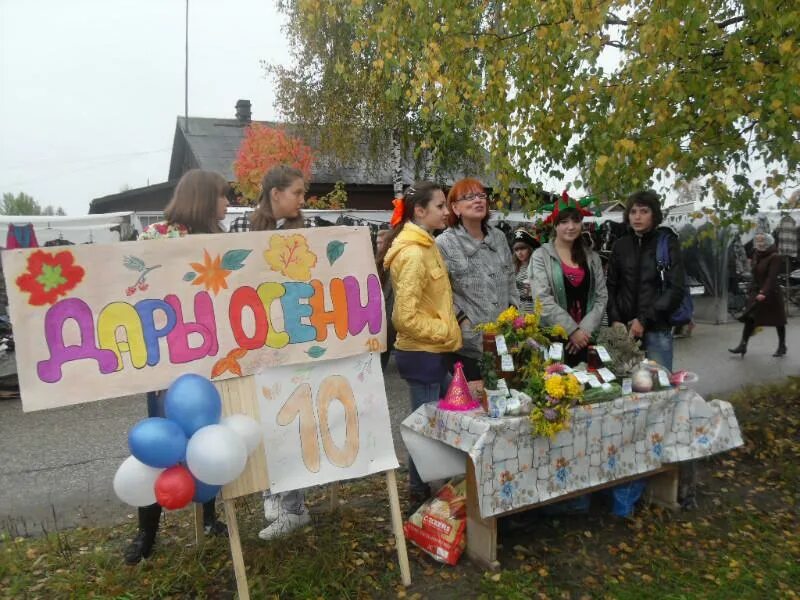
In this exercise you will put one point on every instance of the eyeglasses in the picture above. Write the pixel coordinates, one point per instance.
(472, 196)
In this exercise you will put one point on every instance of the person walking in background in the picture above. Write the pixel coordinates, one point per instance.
(523, 246)
(480, 265)
(198, 206)
(279, 207)
(638, 297)
(568, 280)
(765, 304)
(423, 315)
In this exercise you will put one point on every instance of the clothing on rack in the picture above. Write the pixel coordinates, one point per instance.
(787, 237)
(21, 236)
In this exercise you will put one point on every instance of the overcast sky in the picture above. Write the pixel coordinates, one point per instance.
(90, 89)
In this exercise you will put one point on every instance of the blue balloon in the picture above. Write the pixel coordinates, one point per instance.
(193, 402)
(157, 442)
(203, 492)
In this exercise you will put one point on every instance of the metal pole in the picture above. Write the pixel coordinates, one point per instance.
(186, 74)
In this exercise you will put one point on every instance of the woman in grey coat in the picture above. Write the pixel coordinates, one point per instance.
(480, 265)
(567, 279)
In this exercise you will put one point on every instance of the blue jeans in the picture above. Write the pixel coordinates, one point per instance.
(658, 347)
(422, 393)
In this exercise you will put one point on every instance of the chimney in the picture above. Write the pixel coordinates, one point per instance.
(243, 114)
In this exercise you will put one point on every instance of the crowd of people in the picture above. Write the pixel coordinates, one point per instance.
(445, 270)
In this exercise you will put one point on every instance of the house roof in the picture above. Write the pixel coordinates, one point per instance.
(212, 144)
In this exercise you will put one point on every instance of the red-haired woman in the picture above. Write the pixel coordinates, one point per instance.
(481, 267)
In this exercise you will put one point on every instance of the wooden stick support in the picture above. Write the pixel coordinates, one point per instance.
(334, 488)
(397, 526)
(236, 550)
(199, 532)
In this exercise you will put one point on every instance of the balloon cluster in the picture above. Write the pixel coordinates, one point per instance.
(190, 454)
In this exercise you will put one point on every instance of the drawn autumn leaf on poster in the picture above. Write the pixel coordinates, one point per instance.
(229, 363)
(49, 276)
(291, 256)
(335, 250)
(209, 273)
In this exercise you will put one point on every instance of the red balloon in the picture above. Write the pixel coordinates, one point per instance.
(174, 487)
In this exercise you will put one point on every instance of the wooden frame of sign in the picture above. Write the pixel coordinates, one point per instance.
(239, 396)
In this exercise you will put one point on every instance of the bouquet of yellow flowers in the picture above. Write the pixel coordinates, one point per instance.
(552, 390)
(551, 409)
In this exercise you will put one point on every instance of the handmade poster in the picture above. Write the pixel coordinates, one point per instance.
(102, 321)
(325, 422)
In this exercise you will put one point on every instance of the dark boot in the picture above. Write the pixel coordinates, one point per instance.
(781, 351)
(211, 525)
(746, 333)
(142, 545)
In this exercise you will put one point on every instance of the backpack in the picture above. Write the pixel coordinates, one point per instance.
(683, 314)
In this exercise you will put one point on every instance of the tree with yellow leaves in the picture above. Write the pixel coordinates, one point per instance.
(629, 94)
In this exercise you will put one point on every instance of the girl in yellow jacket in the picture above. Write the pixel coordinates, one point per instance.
(423, 315)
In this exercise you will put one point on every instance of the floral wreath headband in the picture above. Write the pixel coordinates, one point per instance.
(566, 202)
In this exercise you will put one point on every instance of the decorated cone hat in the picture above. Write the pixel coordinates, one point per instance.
(458, 396)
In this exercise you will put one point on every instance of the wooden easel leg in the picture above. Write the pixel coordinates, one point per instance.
(236, 550)
(481, 533)
(199, 533)
(397, 526)
(334, 488)
(662, 489)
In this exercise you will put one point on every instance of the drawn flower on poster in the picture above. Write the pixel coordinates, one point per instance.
(134, 263)
(213, 273)
(291, 256)
(229, 363)
(49, 276)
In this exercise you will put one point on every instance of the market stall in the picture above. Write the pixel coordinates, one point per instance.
(637, 435)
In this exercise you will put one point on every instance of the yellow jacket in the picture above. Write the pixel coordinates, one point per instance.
(423, 312)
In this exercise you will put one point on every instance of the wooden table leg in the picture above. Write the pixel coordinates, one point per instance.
(662, 489)
(481, 533)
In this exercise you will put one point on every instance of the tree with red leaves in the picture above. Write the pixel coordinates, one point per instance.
(262, 148)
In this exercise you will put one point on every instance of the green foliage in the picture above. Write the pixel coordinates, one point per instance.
(336, 199)
(488, 371)
(629, 95)
(23, 204)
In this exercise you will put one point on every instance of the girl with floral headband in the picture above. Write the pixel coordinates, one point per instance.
(427, 330)
(567, 278)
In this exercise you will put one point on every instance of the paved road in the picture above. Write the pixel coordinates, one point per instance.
(64, 460)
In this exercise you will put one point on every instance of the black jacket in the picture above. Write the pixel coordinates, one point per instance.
(635, 289)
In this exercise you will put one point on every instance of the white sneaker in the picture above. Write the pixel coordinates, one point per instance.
(284, 524)
(272, 507)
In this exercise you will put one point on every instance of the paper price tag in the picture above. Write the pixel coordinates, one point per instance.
(663, 380)
(500, 343)
(581, 376)
(557, 351)
(606, 374)
(602, 354)
(568, 369)
(593, 381)
(627, 386)
(506, 363)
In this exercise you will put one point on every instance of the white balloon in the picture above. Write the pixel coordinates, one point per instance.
(134, 482)
(216, 454)
(248, 428)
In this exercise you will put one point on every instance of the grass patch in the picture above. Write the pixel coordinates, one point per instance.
(742, 542)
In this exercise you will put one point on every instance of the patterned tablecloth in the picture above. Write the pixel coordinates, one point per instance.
(607, 441)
